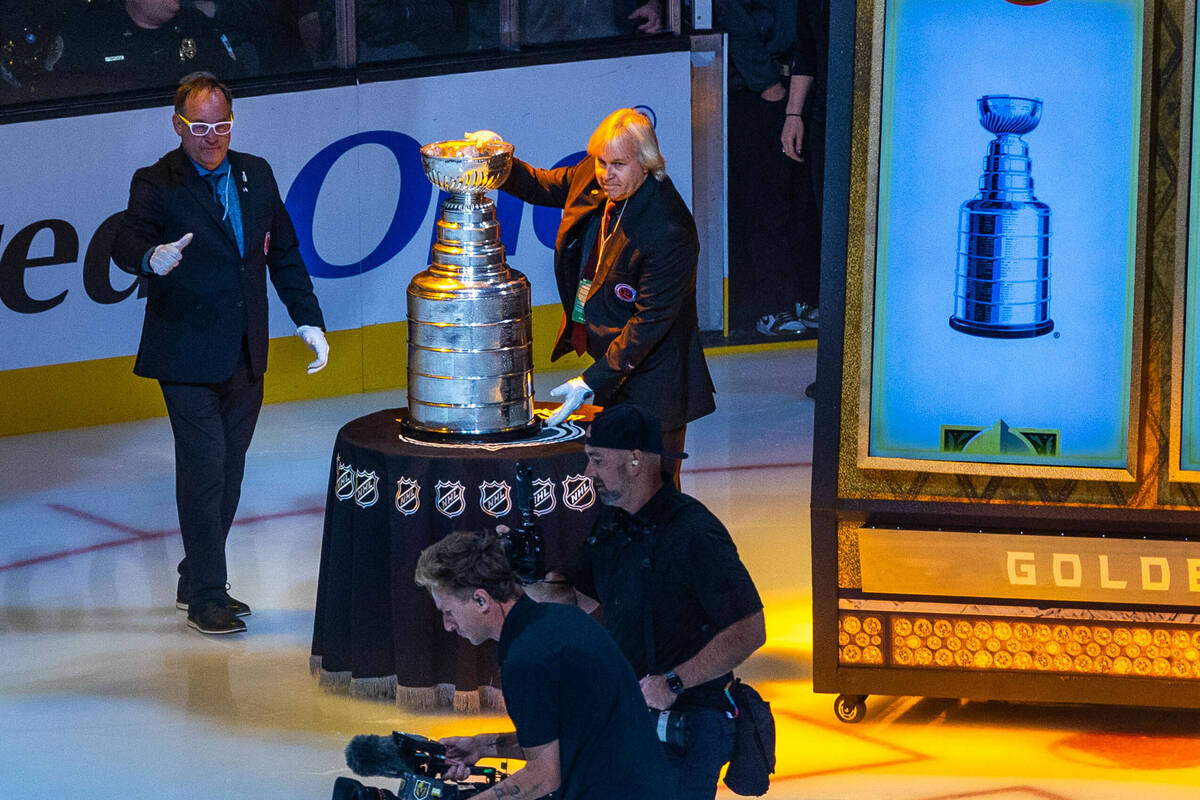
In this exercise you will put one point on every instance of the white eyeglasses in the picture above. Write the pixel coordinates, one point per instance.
(202, 128)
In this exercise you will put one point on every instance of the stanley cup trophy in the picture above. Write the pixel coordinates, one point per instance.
(1002, 283)
(470, 355)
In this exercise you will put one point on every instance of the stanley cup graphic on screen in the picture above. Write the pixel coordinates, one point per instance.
(1002, 281)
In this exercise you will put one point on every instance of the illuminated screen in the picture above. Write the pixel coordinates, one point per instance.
(1005, 251)
(1189, 439)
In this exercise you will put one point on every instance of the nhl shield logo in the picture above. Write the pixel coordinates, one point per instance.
(495, 498)
(543, 496)
(408, 496)
(451, 498)
(366, 488)
(578, 492)
(343, 482)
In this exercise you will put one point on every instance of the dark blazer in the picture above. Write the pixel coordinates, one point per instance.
(197, 314)
(641, 311)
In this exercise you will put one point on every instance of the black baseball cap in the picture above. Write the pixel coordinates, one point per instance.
(628, 426)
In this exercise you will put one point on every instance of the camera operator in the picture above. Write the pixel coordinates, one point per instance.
(582, 728)
(675, 595)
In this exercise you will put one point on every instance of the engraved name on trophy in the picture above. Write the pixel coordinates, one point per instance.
(470, 332)
(1002, 281)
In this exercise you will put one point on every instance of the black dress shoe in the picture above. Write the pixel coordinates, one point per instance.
(238, 608)
(213, 617)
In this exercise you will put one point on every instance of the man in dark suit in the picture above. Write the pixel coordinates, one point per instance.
(204, 227)
(625, 262)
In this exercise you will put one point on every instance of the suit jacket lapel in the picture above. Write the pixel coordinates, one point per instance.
(247, 197)
(200, 190)
(617, 240)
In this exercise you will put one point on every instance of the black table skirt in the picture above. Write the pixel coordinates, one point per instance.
(389, 497)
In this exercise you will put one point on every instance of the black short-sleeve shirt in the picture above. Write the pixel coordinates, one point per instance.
(672, 563)
(565, 679)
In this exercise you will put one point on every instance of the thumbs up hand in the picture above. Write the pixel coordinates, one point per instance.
(166, 257)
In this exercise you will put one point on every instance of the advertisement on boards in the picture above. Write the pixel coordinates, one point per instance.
(1005, 251)
(347, 163)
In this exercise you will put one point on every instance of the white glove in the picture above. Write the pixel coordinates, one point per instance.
(576, 394)
(314, 337)
(166, 257)
(478, 138)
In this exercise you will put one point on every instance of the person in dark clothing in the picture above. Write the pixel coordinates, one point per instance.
(113, 46)
(675, 595)
(772, 250)
(580, 724)
(625, 262)
(204, 228)
(803, 140)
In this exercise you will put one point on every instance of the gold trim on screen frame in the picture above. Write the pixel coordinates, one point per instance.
(865, 144)
(1176, 473)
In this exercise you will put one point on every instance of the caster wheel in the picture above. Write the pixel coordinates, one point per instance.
(850, 708)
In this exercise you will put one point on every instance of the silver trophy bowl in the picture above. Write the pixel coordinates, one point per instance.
(462, 167)
(470, 330)
(1003, 113)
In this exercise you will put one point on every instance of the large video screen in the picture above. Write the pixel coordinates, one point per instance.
(1188, 466)
(1003, 295)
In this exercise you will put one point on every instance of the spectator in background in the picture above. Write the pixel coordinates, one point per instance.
(764, 249)
(274, 36)
(30, 47)
(553, 21)
(389, 30)
(116, 45)
(803, 140)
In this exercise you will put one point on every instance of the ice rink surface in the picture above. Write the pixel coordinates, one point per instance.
(105, 693)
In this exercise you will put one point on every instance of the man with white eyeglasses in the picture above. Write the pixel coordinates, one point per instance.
(205, 227)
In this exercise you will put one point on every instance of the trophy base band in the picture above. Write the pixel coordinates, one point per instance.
(411, 431)
(1002, 332)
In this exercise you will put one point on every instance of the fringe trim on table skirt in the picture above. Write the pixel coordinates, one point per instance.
(493, 698)
(383, 686)
(421, 698)
(337, 680)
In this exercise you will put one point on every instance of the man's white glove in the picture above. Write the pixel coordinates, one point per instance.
(575, 393)
(478, 138)
(314, 337)
(166, 257)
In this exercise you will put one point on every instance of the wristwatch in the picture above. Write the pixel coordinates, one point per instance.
(674, 683)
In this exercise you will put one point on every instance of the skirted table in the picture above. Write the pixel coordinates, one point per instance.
(375, 632)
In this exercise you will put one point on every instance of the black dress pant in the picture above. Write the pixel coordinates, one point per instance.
(213, 424)
(773, 258)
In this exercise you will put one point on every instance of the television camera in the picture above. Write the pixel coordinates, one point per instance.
(524, 545)
(416, 761)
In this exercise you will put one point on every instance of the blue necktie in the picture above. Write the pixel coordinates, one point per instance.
(214, 183)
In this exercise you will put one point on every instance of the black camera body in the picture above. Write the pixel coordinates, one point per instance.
(524, 545)
(416, 761)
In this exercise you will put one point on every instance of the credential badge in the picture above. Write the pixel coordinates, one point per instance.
(495, 498)
(408, 496)
(343, 482)
(543, 496)
(366, 488)
(451, 498)
(578, 492)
